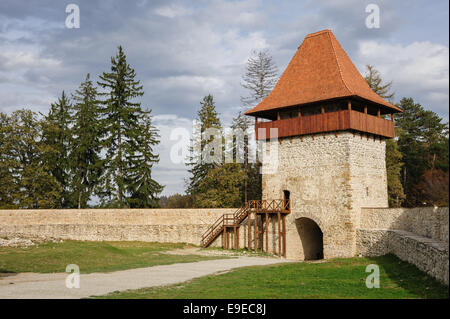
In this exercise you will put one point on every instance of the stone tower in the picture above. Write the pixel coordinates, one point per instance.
(331, 147)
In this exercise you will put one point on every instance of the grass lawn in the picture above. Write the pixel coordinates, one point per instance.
(91, 256)
(336, 278)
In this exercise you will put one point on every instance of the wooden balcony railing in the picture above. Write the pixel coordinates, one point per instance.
(328, 122)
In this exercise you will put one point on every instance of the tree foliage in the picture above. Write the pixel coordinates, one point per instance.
(423, 141)
(86, 165)
(26, 179)
(373, 78)
(127, 179)
(199, 165)
(57, 137)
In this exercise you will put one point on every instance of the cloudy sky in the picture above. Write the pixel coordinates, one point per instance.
(184, 50)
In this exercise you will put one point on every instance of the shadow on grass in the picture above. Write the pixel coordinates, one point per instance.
(409, 277)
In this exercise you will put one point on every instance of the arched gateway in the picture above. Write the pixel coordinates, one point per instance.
(311, 237)
(330, 157)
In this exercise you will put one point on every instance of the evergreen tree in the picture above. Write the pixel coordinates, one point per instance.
(373, 78)
(142, 187)
(57, 137)
(32, 185)
(394, 162)
(85, 161)
(423, 141)
(200, 166)
(124, 123)
(394, 165)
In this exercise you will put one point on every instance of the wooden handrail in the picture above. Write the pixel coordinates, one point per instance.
(279, 205)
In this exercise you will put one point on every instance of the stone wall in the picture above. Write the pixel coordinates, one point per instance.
(416, 235)
(425, 221)
(330, 177)
(153, 225)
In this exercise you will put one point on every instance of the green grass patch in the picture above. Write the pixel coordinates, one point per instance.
(91, 256)
(336, 278)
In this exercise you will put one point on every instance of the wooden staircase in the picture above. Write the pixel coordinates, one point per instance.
(258, 208)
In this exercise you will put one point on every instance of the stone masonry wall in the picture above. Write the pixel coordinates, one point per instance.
(153, 225)
(425, 221)
(416, 235)
(329, 178)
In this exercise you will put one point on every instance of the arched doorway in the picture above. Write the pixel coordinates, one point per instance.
(311, 237)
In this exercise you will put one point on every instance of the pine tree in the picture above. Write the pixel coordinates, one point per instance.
(57, 137)
(142, 187)
(208, 118)
(423, 141)
(86, 165)
(373, 78)
(123, 123)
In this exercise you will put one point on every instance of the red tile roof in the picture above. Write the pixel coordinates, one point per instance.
(320, 70)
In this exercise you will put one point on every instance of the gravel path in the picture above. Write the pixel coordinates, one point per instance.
(53, 286)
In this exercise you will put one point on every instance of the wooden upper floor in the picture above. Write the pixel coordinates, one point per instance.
(329, 117)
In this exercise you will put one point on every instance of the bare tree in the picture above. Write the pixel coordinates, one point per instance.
(260, 77)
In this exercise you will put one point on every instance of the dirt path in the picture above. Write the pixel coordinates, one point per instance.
(32, 285)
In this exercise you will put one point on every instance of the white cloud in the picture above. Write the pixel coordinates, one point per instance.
(419, 69)
(172, 11)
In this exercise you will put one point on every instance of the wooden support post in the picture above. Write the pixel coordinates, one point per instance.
(249, 230)
(255, 233)
(279, 235)
(267, 232)
(261, 234)
(379, 113)
(235, 236)
(322, 110)
(284, 236)
(392, 117)
(349, 105)
(365, 109)
(278, 115)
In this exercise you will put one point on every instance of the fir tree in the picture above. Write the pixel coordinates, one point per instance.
(85, 162)
(142, 187)
(199, 167)
(123, 123)
(57, 137)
